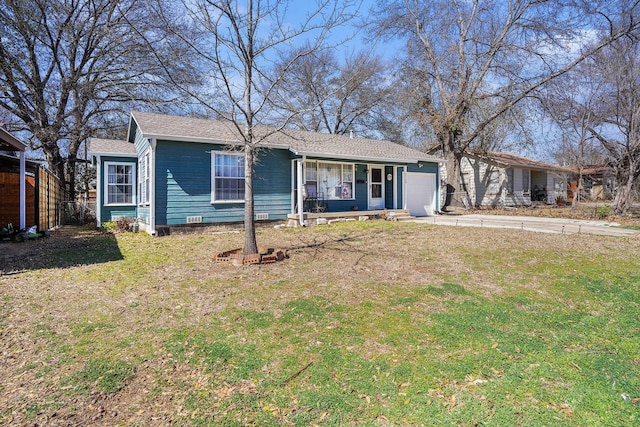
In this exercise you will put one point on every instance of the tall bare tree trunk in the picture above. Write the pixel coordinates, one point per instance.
(250, 241)
(622, 200)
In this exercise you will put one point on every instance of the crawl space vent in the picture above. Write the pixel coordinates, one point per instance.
(261, 216)
(194, 219)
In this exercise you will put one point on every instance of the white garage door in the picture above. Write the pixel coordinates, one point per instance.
(420, 191)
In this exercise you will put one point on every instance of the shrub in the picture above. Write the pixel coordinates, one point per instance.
(604, 211)
(119, 225)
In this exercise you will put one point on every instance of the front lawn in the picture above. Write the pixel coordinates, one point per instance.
(367, 323)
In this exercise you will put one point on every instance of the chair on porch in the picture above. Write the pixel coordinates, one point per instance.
(313, 200)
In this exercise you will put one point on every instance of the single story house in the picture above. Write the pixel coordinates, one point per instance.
(495, 179)
(174, 170)
(598, 183)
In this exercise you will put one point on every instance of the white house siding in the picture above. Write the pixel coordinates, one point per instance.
(518, 197)
(487, 186)
(484, 182)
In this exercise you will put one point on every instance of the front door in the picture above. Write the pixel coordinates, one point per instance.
(376, 187)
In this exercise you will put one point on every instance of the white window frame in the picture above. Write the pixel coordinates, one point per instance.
(526, 173)
(213, 177)
(510, 172)
(132, 183)
(144, 179)
(341, 165)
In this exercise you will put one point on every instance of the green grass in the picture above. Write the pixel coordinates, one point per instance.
(380, 324)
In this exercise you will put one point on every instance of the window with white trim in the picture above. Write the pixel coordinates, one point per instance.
(329, 180)
(526, 174)
(509, 180)
(227, 177)
(120, 183)
(144, 179)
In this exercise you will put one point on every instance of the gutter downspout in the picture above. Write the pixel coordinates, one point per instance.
(152, 187)
(300, 195)
(23, 197)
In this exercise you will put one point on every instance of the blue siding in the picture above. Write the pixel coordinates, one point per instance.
(388, 188)
(183, 185)
(399, 187)
(110, 213)
(142, 145)
(427, 167)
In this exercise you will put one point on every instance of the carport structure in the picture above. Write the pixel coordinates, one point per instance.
(8, 142)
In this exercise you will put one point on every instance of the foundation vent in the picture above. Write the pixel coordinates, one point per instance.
(262, 216)
(194, 219)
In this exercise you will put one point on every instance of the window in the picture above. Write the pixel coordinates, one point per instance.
(227, 179)
(144, 179)
(329, 180)
(526, 174)
(510, 181)
(120, 184)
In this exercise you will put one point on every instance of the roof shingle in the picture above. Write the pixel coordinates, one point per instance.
(111, 146)
(316, 144)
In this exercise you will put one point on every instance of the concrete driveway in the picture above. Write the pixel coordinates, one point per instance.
(529, 223)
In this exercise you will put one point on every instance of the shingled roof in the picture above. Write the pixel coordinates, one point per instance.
(112, 147)
(509, 159)
(313, 144)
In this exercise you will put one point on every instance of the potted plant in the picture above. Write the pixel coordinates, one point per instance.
(560, 200)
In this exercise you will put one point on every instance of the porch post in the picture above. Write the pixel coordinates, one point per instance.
(404, 187)
(299, 194)
(395, 187)
(23, 197)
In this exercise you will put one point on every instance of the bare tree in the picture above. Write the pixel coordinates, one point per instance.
(323, 94)
(470, 55)
(237, 45)
(616, 114)
(68, 66)
(570, 101)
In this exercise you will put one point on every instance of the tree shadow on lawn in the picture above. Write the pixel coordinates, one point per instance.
(67, 247)
(319, 243)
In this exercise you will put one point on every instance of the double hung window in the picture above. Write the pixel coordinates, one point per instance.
(510, 181)
(120, 183)
(144, 179)
(227, 179)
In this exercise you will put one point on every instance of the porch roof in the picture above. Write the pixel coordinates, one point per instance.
(302, 143)
(8, 142)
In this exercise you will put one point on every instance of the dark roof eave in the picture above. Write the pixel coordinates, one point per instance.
(7, 138)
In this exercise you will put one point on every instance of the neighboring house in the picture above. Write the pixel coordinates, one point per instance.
(494, 179)
(598, 183)
(177, 170)
(29, 193)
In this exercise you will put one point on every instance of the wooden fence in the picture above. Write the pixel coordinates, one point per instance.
(44, 197)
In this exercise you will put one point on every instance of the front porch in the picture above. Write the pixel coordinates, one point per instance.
(311, 218)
